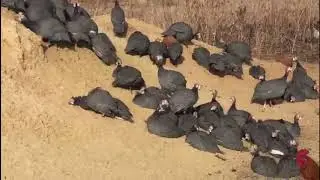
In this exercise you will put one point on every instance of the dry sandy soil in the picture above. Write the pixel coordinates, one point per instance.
(45, 138)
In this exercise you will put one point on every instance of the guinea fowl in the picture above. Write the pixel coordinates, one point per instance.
(269, 139)
(257, 72)
(149, 97)
(271, 89)
(229, 138)
(158, 53)
(104, 49)
(50, 29)
(181, 31)
(183, 99)
(127, 77)
(263, 165)
(203, 142)
(216, 65)
(240, 116)
(225, 64)
(138, 44)
(101, 101)
(171, 80)
(307, 84)
(240, 49)
(120, 25)
(213, 105)
(201, 56)
(164, 123)
(175, 51)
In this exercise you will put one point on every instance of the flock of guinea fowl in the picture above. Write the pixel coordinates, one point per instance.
(206, 127)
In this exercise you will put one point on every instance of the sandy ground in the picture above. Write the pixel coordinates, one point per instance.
(45, 138)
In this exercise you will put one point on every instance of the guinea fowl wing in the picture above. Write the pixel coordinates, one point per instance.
(127, 75)
(101, 101)
(270, 89)
(171, 79)
(182, 99)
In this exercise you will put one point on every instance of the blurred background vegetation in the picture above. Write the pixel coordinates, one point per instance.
(271, 27)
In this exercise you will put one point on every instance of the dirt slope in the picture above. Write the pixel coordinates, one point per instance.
(45, 138)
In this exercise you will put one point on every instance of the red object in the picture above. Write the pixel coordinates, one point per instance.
(309, 169)
(285, 60)
(169, 40)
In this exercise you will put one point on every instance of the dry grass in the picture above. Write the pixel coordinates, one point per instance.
(269, 26)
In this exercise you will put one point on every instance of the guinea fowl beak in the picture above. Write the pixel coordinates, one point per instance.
(261, 77)
(71, 101)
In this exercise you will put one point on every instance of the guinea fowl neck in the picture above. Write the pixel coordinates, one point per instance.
(195, 90)
(285, 76)
(233, 105)
(214, 96)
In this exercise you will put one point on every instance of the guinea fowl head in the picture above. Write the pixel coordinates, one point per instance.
(296, 118)
(76, 101)
(197, 35)
(142, 90)
(163, 106)
(302, 157)
(119, 62)
(214, 95)
(116, 3)
(196, 87)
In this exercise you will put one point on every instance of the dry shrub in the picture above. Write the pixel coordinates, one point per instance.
(269, 26)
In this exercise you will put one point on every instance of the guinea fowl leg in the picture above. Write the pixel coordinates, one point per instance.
(46, 45)
(264, 106)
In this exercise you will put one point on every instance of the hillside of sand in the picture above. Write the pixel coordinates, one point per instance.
(45, 138)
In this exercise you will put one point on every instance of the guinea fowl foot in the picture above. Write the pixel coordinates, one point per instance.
(264, 107)
(45, 45)
(19, 17)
